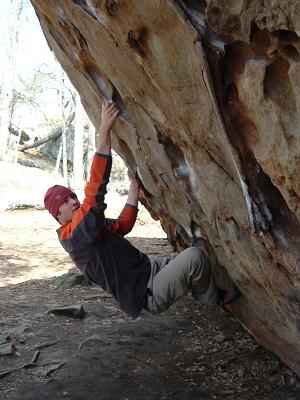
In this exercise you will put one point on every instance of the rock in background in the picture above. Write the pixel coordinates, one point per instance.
(209, 94)
(24, 187)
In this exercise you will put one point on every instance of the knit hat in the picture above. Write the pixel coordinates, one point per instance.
(54, 198)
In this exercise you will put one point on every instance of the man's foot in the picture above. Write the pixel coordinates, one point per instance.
(228, 296)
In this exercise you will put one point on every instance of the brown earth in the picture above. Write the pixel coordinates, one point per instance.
(190, 352)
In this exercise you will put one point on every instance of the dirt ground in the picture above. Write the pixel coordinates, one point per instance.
(190, 352)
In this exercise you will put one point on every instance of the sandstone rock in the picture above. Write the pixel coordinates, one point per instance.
(72, 311)
(209, 94)
(71, 279)
(220, 338)
(7, 349)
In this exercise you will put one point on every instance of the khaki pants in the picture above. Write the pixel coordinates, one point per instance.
(171, 278)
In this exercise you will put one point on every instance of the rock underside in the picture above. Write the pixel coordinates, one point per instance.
(210, 96)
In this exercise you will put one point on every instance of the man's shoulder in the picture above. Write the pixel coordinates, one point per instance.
(64, 232)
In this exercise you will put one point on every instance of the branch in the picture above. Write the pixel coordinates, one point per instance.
(52, 135)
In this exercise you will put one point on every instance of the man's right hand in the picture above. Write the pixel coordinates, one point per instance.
(109, 115)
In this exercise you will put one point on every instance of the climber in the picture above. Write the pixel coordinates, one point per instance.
(98, 248)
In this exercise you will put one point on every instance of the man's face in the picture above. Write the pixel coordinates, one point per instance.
(67, 209)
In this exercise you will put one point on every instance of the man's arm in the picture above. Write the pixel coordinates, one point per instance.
(133, 193)
(127, 218)
(108, 117)
(89, 218)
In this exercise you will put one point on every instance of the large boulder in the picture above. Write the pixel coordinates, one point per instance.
(210, 99)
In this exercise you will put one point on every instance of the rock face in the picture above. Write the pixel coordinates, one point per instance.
(210, 98)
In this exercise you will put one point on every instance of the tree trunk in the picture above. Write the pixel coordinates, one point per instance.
(78, 144)
(18, 138)
(58, 159)
(64, 132)
(91, 149)
(7, 93)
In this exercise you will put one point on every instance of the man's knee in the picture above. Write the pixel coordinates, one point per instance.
(196, 254)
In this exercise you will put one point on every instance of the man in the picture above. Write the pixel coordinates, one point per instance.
(98, 248)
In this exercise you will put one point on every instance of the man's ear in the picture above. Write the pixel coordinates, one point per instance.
(58, 217)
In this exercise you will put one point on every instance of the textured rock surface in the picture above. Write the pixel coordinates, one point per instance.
(210, 97)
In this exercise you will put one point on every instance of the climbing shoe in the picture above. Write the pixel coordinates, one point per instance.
(228, 296)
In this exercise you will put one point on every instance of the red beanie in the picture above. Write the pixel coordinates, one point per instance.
(54, 198)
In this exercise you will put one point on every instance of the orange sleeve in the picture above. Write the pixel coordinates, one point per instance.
(126, 220)
(95, 191)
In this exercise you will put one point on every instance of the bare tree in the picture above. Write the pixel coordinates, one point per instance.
(78, 144)
(91, 148)
(64, 130)
(7, 90)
